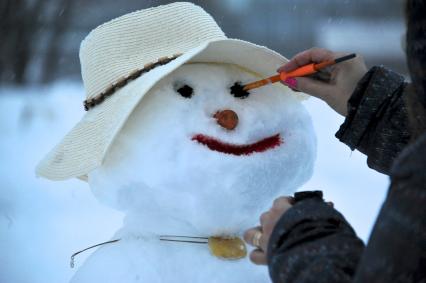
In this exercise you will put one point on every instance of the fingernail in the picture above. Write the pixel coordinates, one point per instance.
(290, 82)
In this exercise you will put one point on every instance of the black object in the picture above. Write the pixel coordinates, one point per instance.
(307, 194)
(186, 91)
(345, 58)
(237, 90)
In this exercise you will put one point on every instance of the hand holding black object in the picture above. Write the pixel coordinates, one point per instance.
(312, 242)
(259, 236)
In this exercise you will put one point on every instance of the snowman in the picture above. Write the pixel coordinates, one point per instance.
(171, 138)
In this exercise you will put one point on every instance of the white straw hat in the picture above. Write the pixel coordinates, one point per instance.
(136, 51)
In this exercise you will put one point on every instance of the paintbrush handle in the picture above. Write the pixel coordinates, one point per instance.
(263, 82)
(325, 64)
(299, 72)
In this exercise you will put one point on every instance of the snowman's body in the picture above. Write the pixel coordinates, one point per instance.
(170, 183)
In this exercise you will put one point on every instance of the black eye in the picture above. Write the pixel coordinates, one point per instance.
(185, 90)
(237, 90)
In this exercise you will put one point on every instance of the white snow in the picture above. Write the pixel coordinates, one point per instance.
(168, 184)
(42, 223)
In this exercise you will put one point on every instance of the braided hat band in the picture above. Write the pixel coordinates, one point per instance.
(98, 99)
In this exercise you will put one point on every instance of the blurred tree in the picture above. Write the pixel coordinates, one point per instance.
(61, 18)
(18, 23)
(40, 38)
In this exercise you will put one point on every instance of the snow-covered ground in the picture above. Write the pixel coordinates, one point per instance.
(42, 223)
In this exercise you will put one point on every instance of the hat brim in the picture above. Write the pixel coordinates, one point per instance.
(85, 146)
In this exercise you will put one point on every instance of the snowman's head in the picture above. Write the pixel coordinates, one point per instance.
(197, 147)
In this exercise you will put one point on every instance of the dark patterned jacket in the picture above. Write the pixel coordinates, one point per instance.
(312, 242)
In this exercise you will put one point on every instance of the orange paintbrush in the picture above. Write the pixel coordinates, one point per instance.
(299, 72)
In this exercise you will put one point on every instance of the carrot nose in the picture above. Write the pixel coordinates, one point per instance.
(228, 119)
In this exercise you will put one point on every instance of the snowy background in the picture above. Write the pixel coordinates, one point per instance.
(42, 223)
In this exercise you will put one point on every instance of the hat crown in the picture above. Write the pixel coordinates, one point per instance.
(123, 45)
(124, 50)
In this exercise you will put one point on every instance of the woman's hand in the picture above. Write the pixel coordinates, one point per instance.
(343, 80)
(259, 236)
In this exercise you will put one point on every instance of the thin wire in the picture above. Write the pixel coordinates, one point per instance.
(189, 237)
(182, 241)
(104, 243)
(161, 239)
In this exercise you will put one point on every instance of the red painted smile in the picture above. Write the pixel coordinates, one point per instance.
(246, 149)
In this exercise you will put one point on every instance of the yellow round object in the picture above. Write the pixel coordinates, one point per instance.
(229, 248)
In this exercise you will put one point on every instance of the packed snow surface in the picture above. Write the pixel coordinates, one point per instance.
(169, 184)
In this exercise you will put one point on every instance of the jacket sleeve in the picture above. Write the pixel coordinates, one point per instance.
(377, 121)
(396, 251)
(312, 242)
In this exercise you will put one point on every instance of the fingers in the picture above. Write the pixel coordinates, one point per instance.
(264, 217)
(313, 55)
(259, 236)
(315, 88)
(341, 81)
(260, 241)
(267, 222)
(310, 86)
(249, 235)
(258, 257)
(282, 202)
(269, 219)
(280, 205)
